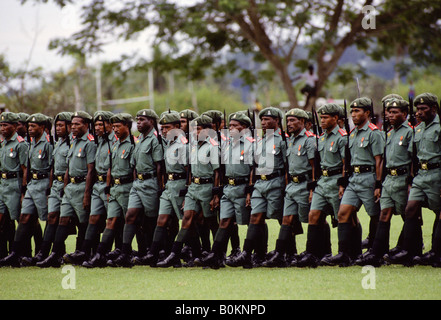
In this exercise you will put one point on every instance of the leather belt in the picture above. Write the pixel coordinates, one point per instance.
(39, 176)
(397, 171)
(122, 180)
(299, 178)
(102, 177)
(60, 178)
(428, 166)
(361, 169)
(236, 181)
(145, 176)
(76, 179)
(9, 175)
(176, 176)
(270, 176)
(329, 173)
(199, 180)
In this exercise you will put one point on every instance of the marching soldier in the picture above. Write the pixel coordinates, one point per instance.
(119, 180)
(234, 209)
(62, 132)
(78, 181)
(395, 186)
(199, 200)
(366, 146)
(106, 138)
(331, 146)
(426, 185)
(267, 197)
(143, 199)
(13, 163)
(187, 115)
(34, 203)
(171, 200)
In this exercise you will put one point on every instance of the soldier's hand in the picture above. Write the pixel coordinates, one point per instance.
(341, 191)
(377, 194)
(214, 203)
(248, 200)
(310, 195)
(86, 202)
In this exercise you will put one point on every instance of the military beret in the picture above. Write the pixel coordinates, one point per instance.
(121, 117)
(363, 102)
(22, 116)
(9, 117)
(214, 114)
(170, 117)
(309, 113)
(271, 112)
(330, 108)
(241, 117)
(392, 96)
(397, 103)
(37, 118)
(427, 99)
(63, 116)
(83, 115)
(187, 113)
(202, 120)
(298, 113)
(147, 113)
(102, 116)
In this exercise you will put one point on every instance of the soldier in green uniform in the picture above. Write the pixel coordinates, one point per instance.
(119, 180)
(267, 197)
(171, 200)
(106, 138)
(300, 154)
(237, 156)
(59, 167)
(326, 198)
(426, 185)
(204, 159)
(366, 144)
(21, 126)
(187, 115)
(143, 203)
(395, 186)
(78, 182)
(13, 163)
(34, 203)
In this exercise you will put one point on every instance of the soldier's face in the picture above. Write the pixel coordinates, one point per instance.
(294, 124)
(166, 128)
(396, 116)
(359, 115)
(7, 129)
(235, 127)
(425, 112)
(99, 128)
(184, 124)
(35, 129)
(79, 127)
(269, 123)
(60, 128)
(121, 130)
(144, 124)
(327, 121)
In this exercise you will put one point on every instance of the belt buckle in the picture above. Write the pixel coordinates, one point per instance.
(424, 166)
(117, 181)
(394, 172)
(170, 176)
(295, 179)
(72, 180)
(35, 176)
(60, 178)
(357, 169)
(100, 178)
(196, 180)
(4, 175)
(231, 182)
(325, 172)
(263, 177)
(140, 177)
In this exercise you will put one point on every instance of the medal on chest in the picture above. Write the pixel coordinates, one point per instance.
(361, 144)
(79, 153)
(11, 154)
(332, 144)
(298, 151)
(401, 141)
(39, 154)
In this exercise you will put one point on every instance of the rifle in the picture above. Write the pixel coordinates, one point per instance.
(162, 162)
(348, 169)
(317, 131)
(413, 122)
(385, 129)
(250, 187)
(183, 192)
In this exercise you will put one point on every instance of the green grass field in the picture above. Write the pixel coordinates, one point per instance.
(142, 282)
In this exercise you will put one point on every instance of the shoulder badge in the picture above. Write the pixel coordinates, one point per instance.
(250, 139)
(20, 139)
(309, 133)
(342, 132)
(184, 140)
(223, 137)
(48, 139)
(90, 137)
(213, 142)
(373, 126)
(155, 133)
(135, 139)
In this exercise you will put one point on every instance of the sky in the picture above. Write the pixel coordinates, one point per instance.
(23, 25)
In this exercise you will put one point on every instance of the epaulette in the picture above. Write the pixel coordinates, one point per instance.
(373, 126)
(184, 140)
(155, 133)
(309, 133)
(352, 130)
(20, 139)
(342, 132)
(214, 142)
(48, 139)
(135, 139)
(223, 137)
(322, 134)
(90, 137)
(250, 139)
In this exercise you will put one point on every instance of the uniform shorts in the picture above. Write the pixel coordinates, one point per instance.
(54, 198)
(426, 188)
(233, 204)
(268, 197)
(35, 199)
(198, 198)
(297, 201)
(325, 195)
(144, 194)
(72, 202)
(99, 199)
(10, 197)
(170, 202)
(394, 193)
(119, 200)
(360, 191)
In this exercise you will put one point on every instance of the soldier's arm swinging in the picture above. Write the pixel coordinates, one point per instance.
(378, 171)
(89, 184)
(214, 203)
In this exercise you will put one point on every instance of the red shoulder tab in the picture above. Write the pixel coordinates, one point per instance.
(223, 137)
(342, 132)
(90, 137)
(352, 130)
(20, 139)
(250, 139)
(48, 138)
(309, 133)
(155, 133)
(135, 139)
(184, 140)
(373, 126)
(322, 134)
(213, 142)
(286, 135)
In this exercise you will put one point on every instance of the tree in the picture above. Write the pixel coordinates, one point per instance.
(196, 36)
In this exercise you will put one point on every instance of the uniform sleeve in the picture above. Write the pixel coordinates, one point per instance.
(377, 145)
(214, 157)
(157, 153)
(311, 147)
(23, 152)
(342, 142)
(50, 152)
(410, 141)
(91, 152)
